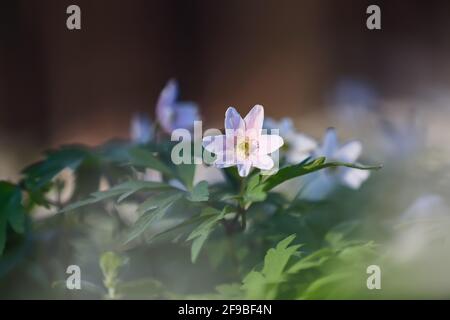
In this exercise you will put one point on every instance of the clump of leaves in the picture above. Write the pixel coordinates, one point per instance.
(220, 211)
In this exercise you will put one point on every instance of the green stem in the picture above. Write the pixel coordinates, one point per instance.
(243, 220)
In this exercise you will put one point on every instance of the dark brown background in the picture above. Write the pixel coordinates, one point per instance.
(60, 86)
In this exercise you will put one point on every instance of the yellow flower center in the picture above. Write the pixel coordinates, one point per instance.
(244, 147)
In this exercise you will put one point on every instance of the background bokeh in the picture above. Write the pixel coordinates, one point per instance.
(59, 86)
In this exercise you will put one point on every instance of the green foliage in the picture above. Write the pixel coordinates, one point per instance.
(200, 192)
(186, 174)
(42, 172)
(326, 273)
(121, 191)
(152, 209)
(12, 212)
(110, 264)
(143, 158)
(301, 169)
(254, 191)
(264, 284)
(240, 221)
(210, 218)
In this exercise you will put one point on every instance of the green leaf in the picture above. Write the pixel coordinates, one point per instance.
(16, 219)
(199, 193)
(277, 258)
(110, 264)
(199, 235)
(3, 230)
(232, 176)
(143, 158)
(314, 260)
(254, 191)
(264, 284)
(123, 190)
(42, 172)
(161, 199)
(186, 174)
(138, 185)
(188, 222)
(337, 235)
(255, 285)
(325, 287)
(12, 212)
(197, 245)
(152, 209)
(301, 169)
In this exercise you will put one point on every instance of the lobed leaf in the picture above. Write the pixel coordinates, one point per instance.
(301, 169)
(143, 158)
(123, 190)
(199, 235)
(152, 209)
(199, 192)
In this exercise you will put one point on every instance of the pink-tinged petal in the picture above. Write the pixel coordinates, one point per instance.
(353, 178)
(233, 120)
(244, 168)
(215, 144)
(225, 160)
(330, 143)
(263, 162)
(255, 118)
(349, 152)
(269, 143)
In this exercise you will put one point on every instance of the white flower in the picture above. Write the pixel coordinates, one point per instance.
(297, 146)
(141, 129)
(173, 115)
(323, 182)
(422, 229)
(243, 144)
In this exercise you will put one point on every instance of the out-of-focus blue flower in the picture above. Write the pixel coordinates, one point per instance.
(173, 115)
(141, 129)
(354, 98)
(297, 146)
(324, 181)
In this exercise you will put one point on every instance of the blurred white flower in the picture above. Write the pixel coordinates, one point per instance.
(173, 115)
(297, 146)
(141, 129)
(320, 184)
(426, 206)
(243, 144)
(422, 228)
(150, 175)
